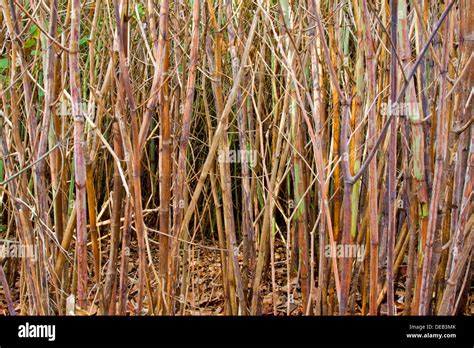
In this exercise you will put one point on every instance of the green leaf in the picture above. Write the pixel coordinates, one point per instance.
(141, 10)
(30, 43)
(83, 40)
(34, 30)
(4, 63)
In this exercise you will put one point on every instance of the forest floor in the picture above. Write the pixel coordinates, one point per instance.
(206, 296)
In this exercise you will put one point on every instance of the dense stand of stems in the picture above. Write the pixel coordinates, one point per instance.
(237, 157)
